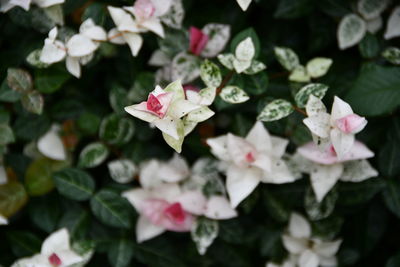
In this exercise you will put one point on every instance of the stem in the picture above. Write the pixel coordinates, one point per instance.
(300, 110)
(115, 36)
(225, 81)
(279, 75)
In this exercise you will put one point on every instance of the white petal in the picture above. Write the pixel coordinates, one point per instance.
(319, 124)
(323, 178)
(181, 107)
(279, 173)
(170, 192)
(58, 240)
(357, 171)
(244, 4)
(73, 66)
(218, 208)
(174, 170)
(340, 109)
(393, 29)
(169, 126)
(241, 182)
(201, 114)
(52, 52)
(115, 37)
(69, 257)
(279, 145)
(238, 148)
(259, 137)
(94, 32)
(136, 197)
(293, 244)
(154, 25)
(219, 147)
(314, 106)
(3, 220)
(80, 45)
(193, 202)
(149, 174)
(161, 6)
(146, 116)
(308, 259)
(51, 145)
(299, 226)
(342, 142)
(134, 41)
(328, 249)
(218, 35)
(145, 230)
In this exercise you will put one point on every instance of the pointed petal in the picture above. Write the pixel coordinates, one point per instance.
(52, 52)
(73, 66)
(293, 244)
(180, 108)
(240, 183)
(299, 226)
(323, 178)
(328, 249)
(169, 126)
(238, 148)
(259, 137)
(51, 145)
(80, 45)
(219, 208)
(134, 41)
(340, 109)
(135, 111)
(358, 151)
(278, 174)
(193, 201)
(219, 147)
(136, 197)
(357, 171)
(308, 259)
(314, 106)
(154, 25)
(69, 257)
(145, 230)
(312, 152)
(342, 142)
(58, 240)
(319, 124)
(175, 170)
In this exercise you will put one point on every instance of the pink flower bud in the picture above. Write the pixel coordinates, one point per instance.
(143, 9)
(351, 123)
(198, 41)
(55, 260)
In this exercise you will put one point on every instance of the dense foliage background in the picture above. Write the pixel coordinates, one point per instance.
(365, 215)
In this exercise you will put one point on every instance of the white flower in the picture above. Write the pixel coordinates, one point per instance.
(326, 168)
(290, 262)
(51, 144)
(338, 128)
(251, 160)
(77, 51)
(164, 109)
(56, 251)
(3, 220)
(309, 251)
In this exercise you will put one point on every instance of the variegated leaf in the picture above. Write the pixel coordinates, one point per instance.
(351, 30)
(210, 74)
(392, 54)
(233, 95)
(287, 58)
(276, 110)
(318, 66)
(316, 89)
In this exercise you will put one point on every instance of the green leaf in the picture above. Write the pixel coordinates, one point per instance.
(227, 60)
(116, 130)
(76, 220)
(93, 155)
(111, 209)
(23, 243)
(30, 126)
(316, 89)
(33, 102)
(121, 252)
(19, 80)
(351, 31)
(38, 180)
(74, 184)
(255, 67)
(233, 95)
(256, 84)
(276, 110)
(389, 158)
(51, 79)
(276, 208)
(291, 9)
(7, 94)
(392, 54)
(118, 99)
(203, 233)
(371, 9)
(287, 58)
(12, 198)
(210, 74)
(96, 12)
(45, 212)
(89, 123)
(351, 194)
(369, 46)
(6, 134)
(241, 36)
(300, 75)
(393, 261)
(391, 195)
(375, 92)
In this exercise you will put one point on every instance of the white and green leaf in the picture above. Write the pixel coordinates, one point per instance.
(276, 110)
(316, 89)
(287, 58)
(351, 31)
(93, 155)
(318, 67)
(392, 54)
(210, 74)
(203, 233)
(234, 95)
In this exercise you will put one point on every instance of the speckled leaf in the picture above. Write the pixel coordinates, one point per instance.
(93, 155)
(351, 30)
(203, 233)
(233, 95)
(287, 58)
(210, 74)
(316, 89)
(276, 110)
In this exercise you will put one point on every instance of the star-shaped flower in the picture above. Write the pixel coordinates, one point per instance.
(338, 128)
(309, 251)
(251, 160)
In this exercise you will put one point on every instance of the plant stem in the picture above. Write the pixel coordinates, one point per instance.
(225, 81)
(300, 110)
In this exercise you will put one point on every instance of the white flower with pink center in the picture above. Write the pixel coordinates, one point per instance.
(326, 168)
(56, 252)
(337, 128)
(165, 110)
(251, 160)
(306, 250)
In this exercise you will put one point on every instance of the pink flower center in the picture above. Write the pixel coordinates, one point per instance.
(198, 41)
(351, 123)
(332, 151)
(153, 104)
(143, 9)
(250, 157)
(54, 260)
(175, 212)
